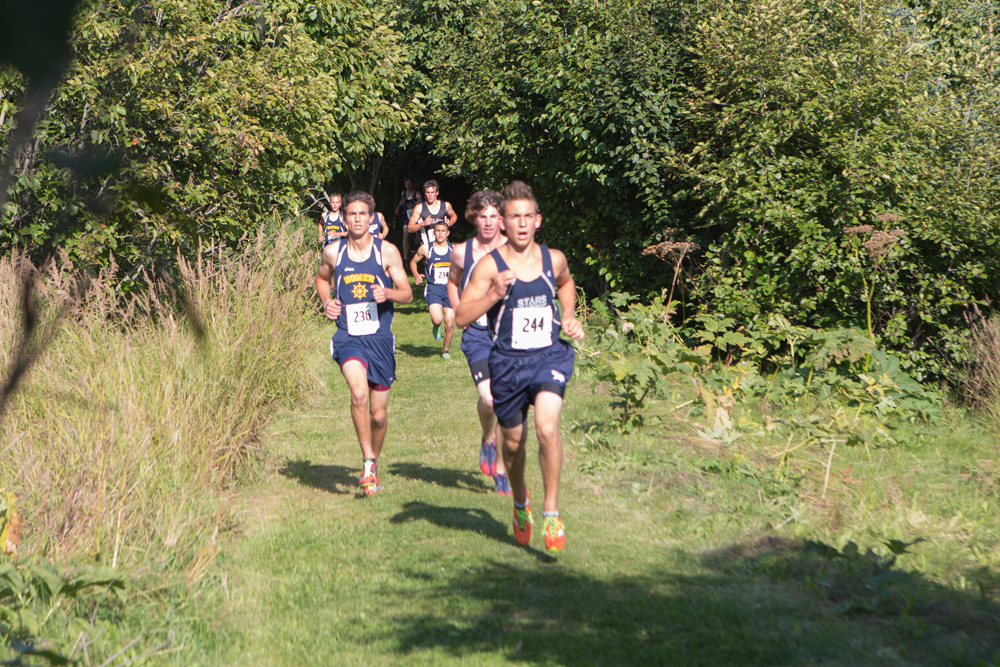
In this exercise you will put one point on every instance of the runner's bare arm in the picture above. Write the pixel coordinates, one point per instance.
(393, 263)
(420, 254)
(485, 288)
(452, 216)
(321, 239)
(330, 306)
(566, 293)
(385, 227)
(415, 222)
(402, 200)
(455, 274)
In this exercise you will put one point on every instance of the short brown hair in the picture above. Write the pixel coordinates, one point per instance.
(517, 191)
(479, 202)
(359, 195)
(432, 184)
(441, 222)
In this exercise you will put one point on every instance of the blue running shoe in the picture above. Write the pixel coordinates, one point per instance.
(436, 331)
(503, 484)
(488, 458)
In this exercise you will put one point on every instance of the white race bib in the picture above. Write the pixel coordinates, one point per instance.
(482, 321)
(532, 328)
(441, 275)
(362, 318)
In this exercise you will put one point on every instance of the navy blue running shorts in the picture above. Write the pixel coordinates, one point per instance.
(517, 379)
(376, 352)
(476, 346)
(437, 294)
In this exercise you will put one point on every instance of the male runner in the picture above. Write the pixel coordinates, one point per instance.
(437, 266)
(377, 226)
(482, 210)
(360, 270)
(518, 286)
(430, 212)
(408, 201)
(331, 224)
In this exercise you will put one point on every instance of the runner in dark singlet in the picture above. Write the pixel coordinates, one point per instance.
(331, 224)
(521, 287)
(429, 213)
(436, 268)
(366, 276)
(482, 210)
(408, 201)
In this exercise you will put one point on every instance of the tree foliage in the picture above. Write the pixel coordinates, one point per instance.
(191, 119)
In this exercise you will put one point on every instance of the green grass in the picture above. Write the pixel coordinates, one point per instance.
(665, 563)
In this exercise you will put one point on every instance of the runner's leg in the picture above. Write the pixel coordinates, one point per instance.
(513, 458)
(548, 407)
(488, 420)
(379, 419)
(449, 328)
(357, 381)
(437, 313)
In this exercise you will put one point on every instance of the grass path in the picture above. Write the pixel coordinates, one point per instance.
(427, 572)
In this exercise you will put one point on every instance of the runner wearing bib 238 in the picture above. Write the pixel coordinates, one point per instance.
(367, 276)
(482, 210)
(528, 295)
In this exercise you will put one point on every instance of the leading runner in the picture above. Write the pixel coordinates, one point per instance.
(520, 287)
(367, 277)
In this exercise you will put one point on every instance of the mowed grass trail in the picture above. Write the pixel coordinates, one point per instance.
(427, 572)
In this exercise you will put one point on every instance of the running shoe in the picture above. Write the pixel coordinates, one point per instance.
(555, 536)
(503, 484)
(370, 483)
(522, 523)
(445, 355)
(436, 331)
(488, 458)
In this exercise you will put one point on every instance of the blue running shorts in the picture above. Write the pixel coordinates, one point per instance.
(517, 379)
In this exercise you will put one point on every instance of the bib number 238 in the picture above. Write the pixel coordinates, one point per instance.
(362, 318)
(532, 328)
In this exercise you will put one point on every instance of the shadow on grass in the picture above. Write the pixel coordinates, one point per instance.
(453, 479)
(464, 518)
(423, 351)
(773, 603)
(329, 478)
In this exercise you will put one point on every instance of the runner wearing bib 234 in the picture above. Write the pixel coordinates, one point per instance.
(437, 267)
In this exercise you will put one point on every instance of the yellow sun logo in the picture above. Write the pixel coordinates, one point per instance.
(359, 291)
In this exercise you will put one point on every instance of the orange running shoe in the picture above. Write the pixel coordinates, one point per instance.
(555, 536)
(369, 483)
(522, 522)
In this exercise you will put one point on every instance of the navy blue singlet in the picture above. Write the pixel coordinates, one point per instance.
(464, 282)
(427, 233)
(527, 318)
(361, 316)
(437, 266)
(332, 224)
(375, 226)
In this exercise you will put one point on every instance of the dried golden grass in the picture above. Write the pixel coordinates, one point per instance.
(129, 425)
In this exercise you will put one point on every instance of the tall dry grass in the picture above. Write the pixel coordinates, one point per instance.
(129, 425)
(982, 386)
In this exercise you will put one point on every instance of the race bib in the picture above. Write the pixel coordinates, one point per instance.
(362, 318)
(532, 328)
(482, 321)
(441, 275)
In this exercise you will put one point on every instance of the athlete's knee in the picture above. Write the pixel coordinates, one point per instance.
(379, 417)
(547, 430)
(359, 396)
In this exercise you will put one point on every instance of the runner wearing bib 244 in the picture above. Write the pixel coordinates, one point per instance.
(482, 210)
(521, 286)
(367, 276)
(437, 266)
